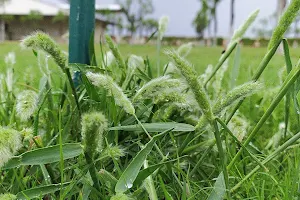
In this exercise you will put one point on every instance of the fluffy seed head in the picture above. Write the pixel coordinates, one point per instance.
(109, 59)
(41, 41)
(284, 23)
(10, 143)
(93, 126)
(162, 26)
(190, 76)
(8, 196)
(156, 85)
(235, 95)
(114, 151)
(134, 62)
(108, 83)
(239, 33)
(27, 133)
(10, 59)
(185, 49)
(115, 51)
(27, 103)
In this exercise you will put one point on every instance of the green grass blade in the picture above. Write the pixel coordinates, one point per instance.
(129, 175)
(277, 152)
(45, 155)
(40, 191)
(236, 66)
(219, 189)
(289, 67)
(156, 127)
(221, 62)
(290, 80)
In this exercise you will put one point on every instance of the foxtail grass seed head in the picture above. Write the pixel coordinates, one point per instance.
(114, 152)
(109, 59)
(8, 196)
(108, 83)
(27, 104)
(190, 75)
(185, 49)
(239, 126)
(162, 26)
(239, 33)
(169, 95)
(10, 143)
(94, 125)
(27, 134)
(41, 41)
(115, 51)
(235, 95)
(155, 85)
(134, 62)
(284, 22)
(10, 59)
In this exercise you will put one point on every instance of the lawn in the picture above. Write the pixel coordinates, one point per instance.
(200, 57)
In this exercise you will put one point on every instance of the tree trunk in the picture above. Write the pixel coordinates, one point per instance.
(215, 28)
(2, 30)
(232, 15)
(281, 4)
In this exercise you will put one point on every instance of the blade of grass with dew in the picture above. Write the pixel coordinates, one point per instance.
(156, 127)
(129, 175)
(143, 174)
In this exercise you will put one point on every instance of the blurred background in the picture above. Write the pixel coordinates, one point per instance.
(203, 22)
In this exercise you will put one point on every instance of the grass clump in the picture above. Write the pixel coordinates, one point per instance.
(146, 134)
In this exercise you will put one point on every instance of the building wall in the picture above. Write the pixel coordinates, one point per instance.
(17, 28)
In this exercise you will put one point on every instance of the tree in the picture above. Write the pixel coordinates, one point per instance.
(232, 17)
(135, 11)
(201, 20)
(149, 26)
(2, 22)
(213, 10)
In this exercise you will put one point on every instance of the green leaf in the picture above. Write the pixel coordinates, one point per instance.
(143, 174)
(219, 189)
(156, 127)
(40, 191)
(45, 155)
(131, 172)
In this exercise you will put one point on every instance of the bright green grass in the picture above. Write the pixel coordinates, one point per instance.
(199, 56)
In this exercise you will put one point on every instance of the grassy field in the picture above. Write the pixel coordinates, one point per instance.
(200, 57)
(275, 183)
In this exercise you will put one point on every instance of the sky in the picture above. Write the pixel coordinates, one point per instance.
(182, 13)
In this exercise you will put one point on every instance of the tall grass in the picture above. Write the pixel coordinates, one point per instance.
(127, 133)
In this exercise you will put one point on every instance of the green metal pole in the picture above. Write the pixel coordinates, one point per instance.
(81, 28)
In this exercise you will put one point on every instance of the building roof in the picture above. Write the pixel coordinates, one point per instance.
(25, 7)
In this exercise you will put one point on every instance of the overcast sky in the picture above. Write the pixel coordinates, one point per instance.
(182, 13)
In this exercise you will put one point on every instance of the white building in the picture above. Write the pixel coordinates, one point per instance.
(22, 17)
